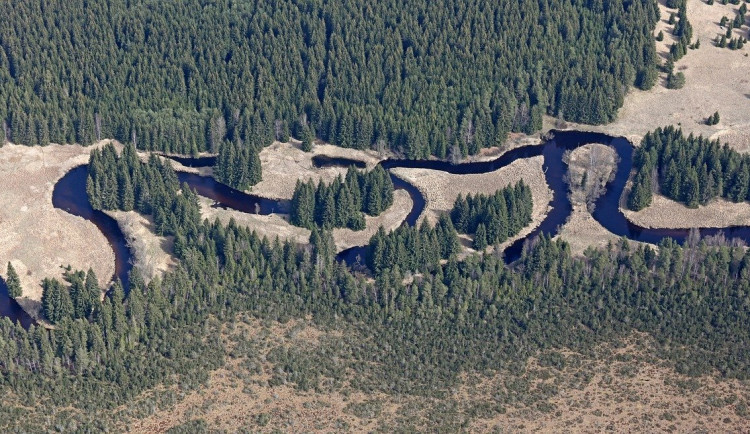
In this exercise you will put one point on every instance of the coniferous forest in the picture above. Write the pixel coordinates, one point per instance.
(423, 314)
(342, 203)
(416, 334)
(422, 76)
(493, 219)
(692, 170)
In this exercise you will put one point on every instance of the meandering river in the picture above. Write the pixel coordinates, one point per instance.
(70, 195)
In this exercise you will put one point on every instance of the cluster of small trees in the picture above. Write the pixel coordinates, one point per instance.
(691, 170)
(123, 182)
(342, 202)
(713, 119)
(183, 80)
(413, 249)
(13, 282)
(726, 39)
(238, 166)
(683, 30)
(493, 218)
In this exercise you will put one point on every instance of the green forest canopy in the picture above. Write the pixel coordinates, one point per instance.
(422, 76)
(689, 169)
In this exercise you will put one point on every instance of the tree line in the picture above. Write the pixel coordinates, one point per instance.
(422, 78)
(412, 249)
(692, 170)
(415, 335)
(342, 202)
(494, 218)
(238, 166)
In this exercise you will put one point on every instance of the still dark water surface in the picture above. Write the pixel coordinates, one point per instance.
(70, 195)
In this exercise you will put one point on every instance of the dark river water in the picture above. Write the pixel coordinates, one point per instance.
(70, 195)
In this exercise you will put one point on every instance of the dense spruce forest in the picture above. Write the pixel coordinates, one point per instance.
(419, 77)
(493, 219)
(342, 202)
(238, 166)
(408, 249)
(692, 170)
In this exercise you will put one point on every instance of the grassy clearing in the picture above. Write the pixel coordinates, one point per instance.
(35, 236)
(440, 190)
(716, 79)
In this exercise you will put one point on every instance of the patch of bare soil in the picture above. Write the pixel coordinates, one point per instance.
(37, 238)
(389, 219)
(152, 254)
(440, 189)
(284, 163)
(716, 80)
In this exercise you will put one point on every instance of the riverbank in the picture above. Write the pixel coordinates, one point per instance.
(715, 80)
(37, 238)
(440, 190)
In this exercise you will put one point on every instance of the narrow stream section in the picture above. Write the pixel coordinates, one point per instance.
(70, 195)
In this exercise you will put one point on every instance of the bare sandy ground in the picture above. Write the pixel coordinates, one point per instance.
(284, 163)
(37, 238)
(440, 189)
(716, 79)
(152, 254)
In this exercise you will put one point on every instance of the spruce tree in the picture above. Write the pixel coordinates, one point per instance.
(480, 238)
(13, 282)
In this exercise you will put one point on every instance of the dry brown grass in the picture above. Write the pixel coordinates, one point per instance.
(666, 213)
(440, 189)
(152, 254)
(716, 79)
(389, 219)
(581, 230)
(35, 236)
(514, 140)
(274, 225)
(270, 226)
(284, 163)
